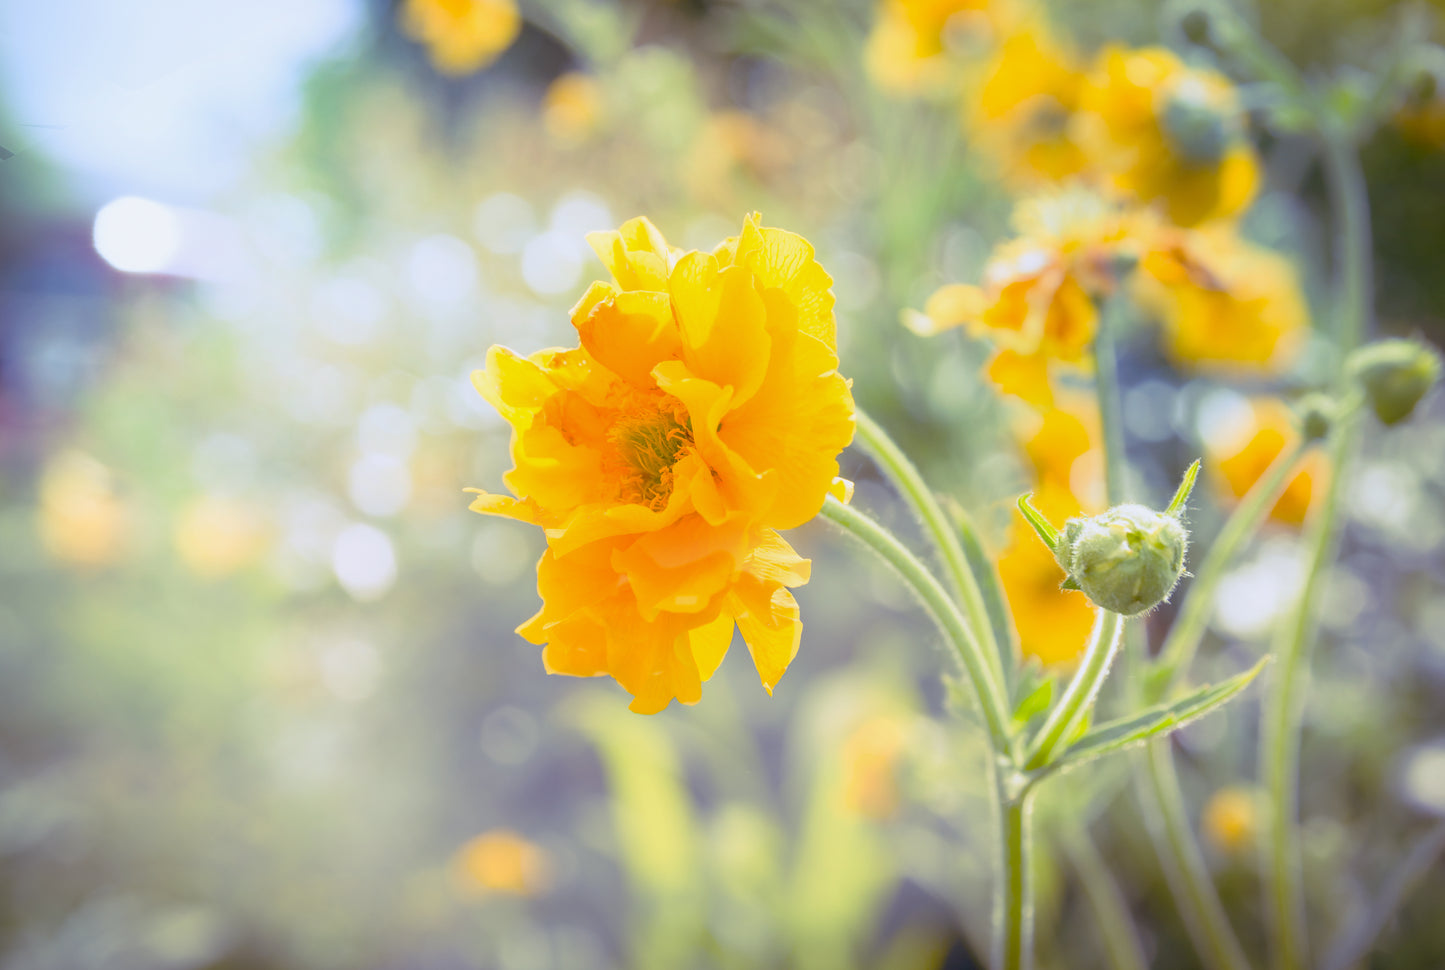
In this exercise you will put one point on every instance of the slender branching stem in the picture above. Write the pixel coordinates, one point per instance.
(945, 612)
(1183, 862)
(1284, 707)
(945, 536)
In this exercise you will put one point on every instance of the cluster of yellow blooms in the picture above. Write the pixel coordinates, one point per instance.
(461, 36)
(1138, 166)
(702, 412)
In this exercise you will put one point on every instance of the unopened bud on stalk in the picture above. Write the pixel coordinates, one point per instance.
(1394, 374)
(1198, 127)
(1126, 560)
(1317, 415)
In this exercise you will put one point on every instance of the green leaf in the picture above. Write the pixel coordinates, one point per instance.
(1041, 525)
(1036, 701)
(1126, 732)
(1181, 495)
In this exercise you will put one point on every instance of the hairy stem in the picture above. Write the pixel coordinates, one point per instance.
(1014, 944)
(944, 533)
(1066, 716)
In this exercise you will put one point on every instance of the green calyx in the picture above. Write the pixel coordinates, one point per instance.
(1127, 559)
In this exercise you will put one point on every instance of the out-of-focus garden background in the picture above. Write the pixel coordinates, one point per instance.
(261, 704)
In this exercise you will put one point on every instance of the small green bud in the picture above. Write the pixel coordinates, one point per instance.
(1194, 25)
(1199, 131)
(1127, 559)
(1395, 375)
(1317, 414)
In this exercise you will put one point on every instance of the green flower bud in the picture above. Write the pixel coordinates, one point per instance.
(1196, 28)
(1317, 414)
(1127, 559)
(1395, 375)
(1198, 130)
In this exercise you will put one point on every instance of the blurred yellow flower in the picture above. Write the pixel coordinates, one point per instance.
(1019, 114)
(461, 36)
(215, 536)
(907, 50)
(1053, 624)
(871, 754)
(502, 861)
(702, 412)
(1037, 301)
(572, 107)
(82, 521)
(1231, 820)
(1241, 454)
(731, 142)
(1160, 131)
(1224, 303)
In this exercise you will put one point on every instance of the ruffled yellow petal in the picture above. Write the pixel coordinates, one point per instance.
(636, 255)
(723, 323)
(1025, 375)
(629, 332)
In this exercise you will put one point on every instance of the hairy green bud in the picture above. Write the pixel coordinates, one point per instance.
(1127, 559)
(1395, 375)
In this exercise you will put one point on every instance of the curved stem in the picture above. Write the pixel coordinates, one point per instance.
(1183, 863)
(943, 532)
(940, 606)
(1284, 711)
(1188, 628)
(1283, 717)
(1111, 909)
(1064, 719)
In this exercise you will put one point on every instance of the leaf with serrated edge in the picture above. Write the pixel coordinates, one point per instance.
(1126, 732)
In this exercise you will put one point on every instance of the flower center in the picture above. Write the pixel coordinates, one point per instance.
(649, 440)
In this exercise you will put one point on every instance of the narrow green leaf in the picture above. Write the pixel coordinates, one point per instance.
(1181, 495)
(1137, 728)
(1035, 702)
(1041, 525)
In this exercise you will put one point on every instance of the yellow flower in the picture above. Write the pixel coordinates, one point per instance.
(82, 521)
(461, 36)
(1037, 301)
(1240, 455)
(1052, 624)
(1020, 112)
(501, 861)
(702, 412)
(215, 536)
(572, 107)
(1224, 303)
(1160, 131)
(907, 51)
(871, 753)
(1231, 819)
(728, 144)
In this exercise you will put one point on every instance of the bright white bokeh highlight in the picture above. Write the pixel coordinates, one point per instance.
(364, 561)
(137, 235)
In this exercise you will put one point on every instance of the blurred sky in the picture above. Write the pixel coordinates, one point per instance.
(166, 99)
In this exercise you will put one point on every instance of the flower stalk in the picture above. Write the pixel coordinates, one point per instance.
(1064, 720)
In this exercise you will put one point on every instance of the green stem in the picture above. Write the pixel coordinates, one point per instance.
(940, 606)
(1106, 386)
(1189, 625)
(1064, 719)
(943, 532)
(1284, 709)
(1163, 803)
(1283, 717)
(1014, 943)
(1183, 863)
(1111, 909)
